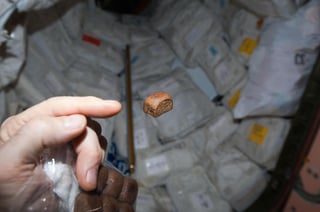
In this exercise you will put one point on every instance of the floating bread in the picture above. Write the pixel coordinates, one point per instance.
(158, 103)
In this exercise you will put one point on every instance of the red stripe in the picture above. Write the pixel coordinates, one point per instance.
(90, 39)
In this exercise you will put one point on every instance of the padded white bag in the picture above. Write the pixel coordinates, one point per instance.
(87, 79)
(72, 15)
(48, 36)
(280, 66)
(164, 13)
(146, 201)
(285, 8)
(191, 25)
(38, 81)
(153, 167)
(262, 139)
(231, 98)
(12, 41)
(212, 49)
(161, 195)
(244, 30)
(259, 7)
(218, 130)
(226, 74)
(191, 190)
(110, 31)
(150, 59)
(237, 178)
(103, 54)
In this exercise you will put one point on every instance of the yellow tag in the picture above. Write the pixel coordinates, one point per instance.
(258, 133)
(248, 46)
(235, 98)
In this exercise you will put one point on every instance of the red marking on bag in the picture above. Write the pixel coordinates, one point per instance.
(90, 39)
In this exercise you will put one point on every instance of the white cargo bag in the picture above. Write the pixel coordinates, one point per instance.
(72, 15)
(102, 53)
(12, 43)
(280, 66)
(191, 107)
(212, 49)
(191, 190)
(218, 130)
(49, 38)
(161, 195)
(146, 201)
(38, 81)
(88, 79)
(237, 178)
(231, 98)
(262, 139)
(149, 59)
(110, 31)
(145, 135)
(165, 12)
(227, 74)
(191, 25)
(259, 7)
(244, 30)
(155, 166)
(285, 8)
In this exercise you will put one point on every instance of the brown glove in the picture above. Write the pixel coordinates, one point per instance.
(114, 192)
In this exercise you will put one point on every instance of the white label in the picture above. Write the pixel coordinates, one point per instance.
(193, 37)
(140, 139)
(157, 165)
(222, 73)
(201, 201)
(145, 199)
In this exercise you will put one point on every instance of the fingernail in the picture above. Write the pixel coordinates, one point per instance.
(91, 177)
(73, 121)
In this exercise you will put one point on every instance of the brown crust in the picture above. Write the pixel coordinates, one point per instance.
(158, 103)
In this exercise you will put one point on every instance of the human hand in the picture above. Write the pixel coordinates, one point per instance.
(52, 123)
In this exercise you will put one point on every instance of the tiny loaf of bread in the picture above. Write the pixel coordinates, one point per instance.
(158, 103)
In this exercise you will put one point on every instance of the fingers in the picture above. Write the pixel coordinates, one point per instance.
(90, 156)
(43, 132)
(60, 106)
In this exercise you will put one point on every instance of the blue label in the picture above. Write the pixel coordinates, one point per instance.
(112, 152)
(134, 59)
(213, 51)
(122, 165)
(222, 3)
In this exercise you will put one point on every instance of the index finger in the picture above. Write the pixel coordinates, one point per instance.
(60, 106)
(68, 105)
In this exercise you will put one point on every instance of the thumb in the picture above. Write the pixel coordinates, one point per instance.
(44, 132)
